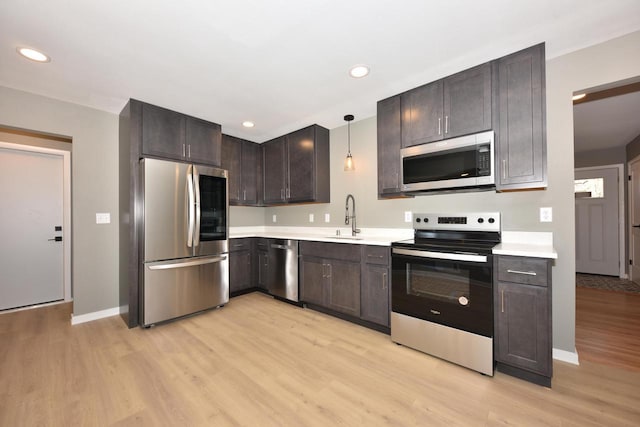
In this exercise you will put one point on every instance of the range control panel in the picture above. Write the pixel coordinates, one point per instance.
(485, 221)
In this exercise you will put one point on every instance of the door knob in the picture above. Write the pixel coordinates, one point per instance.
(56, 239)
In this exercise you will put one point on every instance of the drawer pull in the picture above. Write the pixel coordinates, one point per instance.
(376, 256)
(528, 273)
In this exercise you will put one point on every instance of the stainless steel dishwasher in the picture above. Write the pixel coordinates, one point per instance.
(282, 275)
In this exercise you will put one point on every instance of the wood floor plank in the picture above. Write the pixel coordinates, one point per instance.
(261, 362)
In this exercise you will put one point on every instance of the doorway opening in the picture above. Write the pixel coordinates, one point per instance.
(606, 138)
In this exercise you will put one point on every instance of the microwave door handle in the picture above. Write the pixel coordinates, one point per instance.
(196, 228)
(190, 207)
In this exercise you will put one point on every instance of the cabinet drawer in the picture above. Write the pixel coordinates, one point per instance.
(341, 251)
(530, 271)
(376, 255)
(239, 245)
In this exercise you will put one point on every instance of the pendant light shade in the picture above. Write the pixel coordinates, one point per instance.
(348, 163)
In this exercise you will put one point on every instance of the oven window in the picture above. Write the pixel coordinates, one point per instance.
(448, 284)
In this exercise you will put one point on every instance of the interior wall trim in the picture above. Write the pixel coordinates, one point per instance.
(566, 356)
(96, 315)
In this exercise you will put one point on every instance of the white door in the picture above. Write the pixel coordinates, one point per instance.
(634, 202)
(31, 260)
(597, 222)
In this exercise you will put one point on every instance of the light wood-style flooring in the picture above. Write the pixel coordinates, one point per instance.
(262, 362)
(608, 327)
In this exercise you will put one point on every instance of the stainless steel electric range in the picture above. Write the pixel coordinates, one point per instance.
(442, 288)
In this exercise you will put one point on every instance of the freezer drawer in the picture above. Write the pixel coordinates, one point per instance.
(177, 288)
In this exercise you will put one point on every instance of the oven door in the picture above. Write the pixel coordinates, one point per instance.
(447, 288)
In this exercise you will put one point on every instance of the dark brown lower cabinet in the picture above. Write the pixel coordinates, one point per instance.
(375, 290)
(240, 265)
(330, 276)
(522, 300)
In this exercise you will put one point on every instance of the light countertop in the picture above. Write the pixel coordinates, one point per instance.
(529, 244)
(367, 236)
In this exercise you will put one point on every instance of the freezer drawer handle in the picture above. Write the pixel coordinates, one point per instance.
(188, 263)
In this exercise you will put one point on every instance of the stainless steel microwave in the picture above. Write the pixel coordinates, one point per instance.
(467, 161)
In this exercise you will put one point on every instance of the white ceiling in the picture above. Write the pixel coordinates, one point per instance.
(282, 64)
(606, 123)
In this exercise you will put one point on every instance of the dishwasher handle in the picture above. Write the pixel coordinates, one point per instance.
(276, 246)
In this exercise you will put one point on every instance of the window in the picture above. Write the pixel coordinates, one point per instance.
(591, 188)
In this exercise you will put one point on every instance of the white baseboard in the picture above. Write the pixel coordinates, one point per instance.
(566, 356)
(88, 317)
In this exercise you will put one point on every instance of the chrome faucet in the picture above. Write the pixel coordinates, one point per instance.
(347, 217)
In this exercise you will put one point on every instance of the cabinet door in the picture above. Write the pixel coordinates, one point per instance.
(249, 190)
(389, 145)
(375, 294)
(422, 114)
(521, 138)
(239, 270)
(263, 268)
(204, 141)
(301, 165)
(232, 162)
(273, 169)
(467, 102)
(312, 275)
(523, 327)
(163, 133)
(343, 287)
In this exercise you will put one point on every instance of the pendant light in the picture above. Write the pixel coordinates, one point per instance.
(348, 163)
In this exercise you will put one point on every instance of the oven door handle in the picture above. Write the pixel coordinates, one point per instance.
(440, 255)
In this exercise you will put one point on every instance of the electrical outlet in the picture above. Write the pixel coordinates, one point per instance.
(327, 217)
(273, 218)
(407, 216)
(103, 218)
(311, 218)
(546, 215)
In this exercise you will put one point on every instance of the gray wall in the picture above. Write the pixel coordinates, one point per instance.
(94, 180)
(633, 148)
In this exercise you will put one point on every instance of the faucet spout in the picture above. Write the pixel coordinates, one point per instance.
(347, 217)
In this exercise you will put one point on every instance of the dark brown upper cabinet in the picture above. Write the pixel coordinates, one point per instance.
(240, 158)
(389, 145)
(296, 167)
(175, 136)
(521, 146)
(457, 105)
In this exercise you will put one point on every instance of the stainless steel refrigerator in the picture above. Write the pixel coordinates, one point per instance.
(186, 243)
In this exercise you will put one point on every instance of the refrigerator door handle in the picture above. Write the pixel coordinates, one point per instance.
(191, 263)
(190, 207)
(196, 229)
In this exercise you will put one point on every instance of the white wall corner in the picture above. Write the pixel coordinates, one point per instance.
(89, 317)
(566, 356)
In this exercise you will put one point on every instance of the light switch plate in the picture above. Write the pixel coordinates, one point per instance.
(273, 218)
(327, 217)
(103, 218)
(407, 216)
(546, 215)
(311, 218)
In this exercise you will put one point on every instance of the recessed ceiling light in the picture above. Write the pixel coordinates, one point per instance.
(358, 71)
(33, 54)
(578, 96)
(248, 124)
